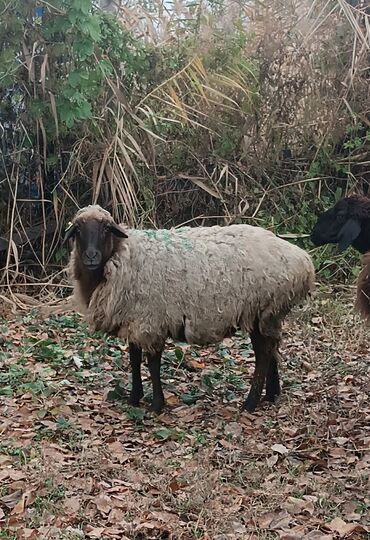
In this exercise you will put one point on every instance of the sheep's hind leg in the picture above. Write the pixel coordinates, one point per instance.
(272, 378)
(154, 365)
(263, 347)
(137, 392)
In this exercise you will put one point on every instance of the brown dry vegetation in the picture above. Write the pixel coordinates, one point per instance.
(75, 465)
(244, 113)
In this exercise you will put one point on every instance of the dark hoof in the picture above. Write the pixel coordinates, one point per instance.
(134, 399)
(247, 406)
(157, 407)
(270, 399)
(134, 402)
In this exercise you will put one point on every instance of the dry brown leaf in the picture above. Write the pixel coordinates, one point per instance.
(5, 460)
(318, 535)
(16, 475)
(27, 534)
(172, 400)
(94, 532)
(4, 474)
(281, 521)
(299, 506)
(274, 520)
(103, 503)
(12, 499)
(280, 449)
(272, 460)
(226, 444)
(151, 525)
(72, 505)
(339, 526)
(116, 517)
(234, 429)
(195, 364)
(341, 440)
(20, 506)
(115, 533)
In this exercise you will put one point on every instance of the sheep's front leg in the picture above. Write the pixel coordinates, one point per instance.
(263, 347)
(272, 379)
(137, 393)
(154, 365)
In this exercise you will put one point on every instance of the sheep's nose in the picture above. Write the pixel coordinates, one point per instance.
(91, 253)
(92, 257)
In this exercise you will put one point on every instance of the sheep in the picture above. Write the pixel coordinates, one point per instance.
(362, 304)
(346, 223)
(197, 285)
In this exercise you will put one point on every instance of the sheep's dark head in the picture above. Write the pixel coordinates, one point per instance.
(346, 223)
(95, 235)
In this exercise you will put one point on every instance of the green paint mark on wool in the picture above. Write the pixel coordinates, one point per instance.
(187, 244)
(182, 229)
(170, 237)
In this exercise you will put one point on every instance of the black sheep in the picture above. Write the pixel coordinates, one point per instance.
(347, 223)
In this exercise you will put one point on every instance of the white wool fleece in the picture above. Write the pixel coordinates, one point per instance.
(209, 279)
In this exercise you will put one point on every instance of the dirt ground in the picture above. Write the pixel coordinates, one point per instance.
(77, 462)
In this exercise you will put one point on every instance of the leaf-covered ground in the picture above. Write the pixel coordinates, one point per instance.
(75, 462)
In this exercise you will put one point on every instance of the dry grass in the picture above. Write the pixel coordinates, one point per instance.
(249, 117)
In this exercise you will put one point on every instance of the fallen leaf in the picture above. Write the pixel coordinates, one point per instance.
(103, 503)
(27, 534)
(299, 506)
(234, 429)
(280, 449)
(172, 400)
(116, 517)
(195, 364)
(318, 535)
(20, 506)
(72, 505)
(272, 460)
(339, 526)
(16, 475)
(341, 440)
(94, 532)
(12, 499)
(274, 520)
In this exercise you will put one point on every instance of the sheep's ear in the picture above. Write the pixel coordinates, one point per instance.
(117, 230)
(69, 232)
(348, 233)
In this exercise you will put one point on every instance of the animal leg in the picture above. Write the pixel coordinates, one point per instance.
(154, 365)
(137, 393)
(263, 348)
(272, 378)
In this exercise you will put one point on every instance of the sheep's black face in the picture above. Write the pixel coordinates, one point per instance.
(327, 228)
(335, 226)
(95, 241)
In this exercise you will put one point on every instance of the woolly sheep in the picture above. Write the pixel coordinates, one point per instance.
(191, 284)
(363, 288)
(346, 223)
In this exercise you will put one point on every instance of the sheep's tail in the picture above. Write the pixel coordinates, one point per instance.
(363, 288)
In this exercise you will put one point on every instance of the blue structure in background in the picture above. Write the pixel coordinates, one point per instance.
(39, 11)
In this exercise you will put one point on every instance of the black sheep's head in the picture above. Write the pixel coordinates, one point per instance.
(95, 235)
(342, 224)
